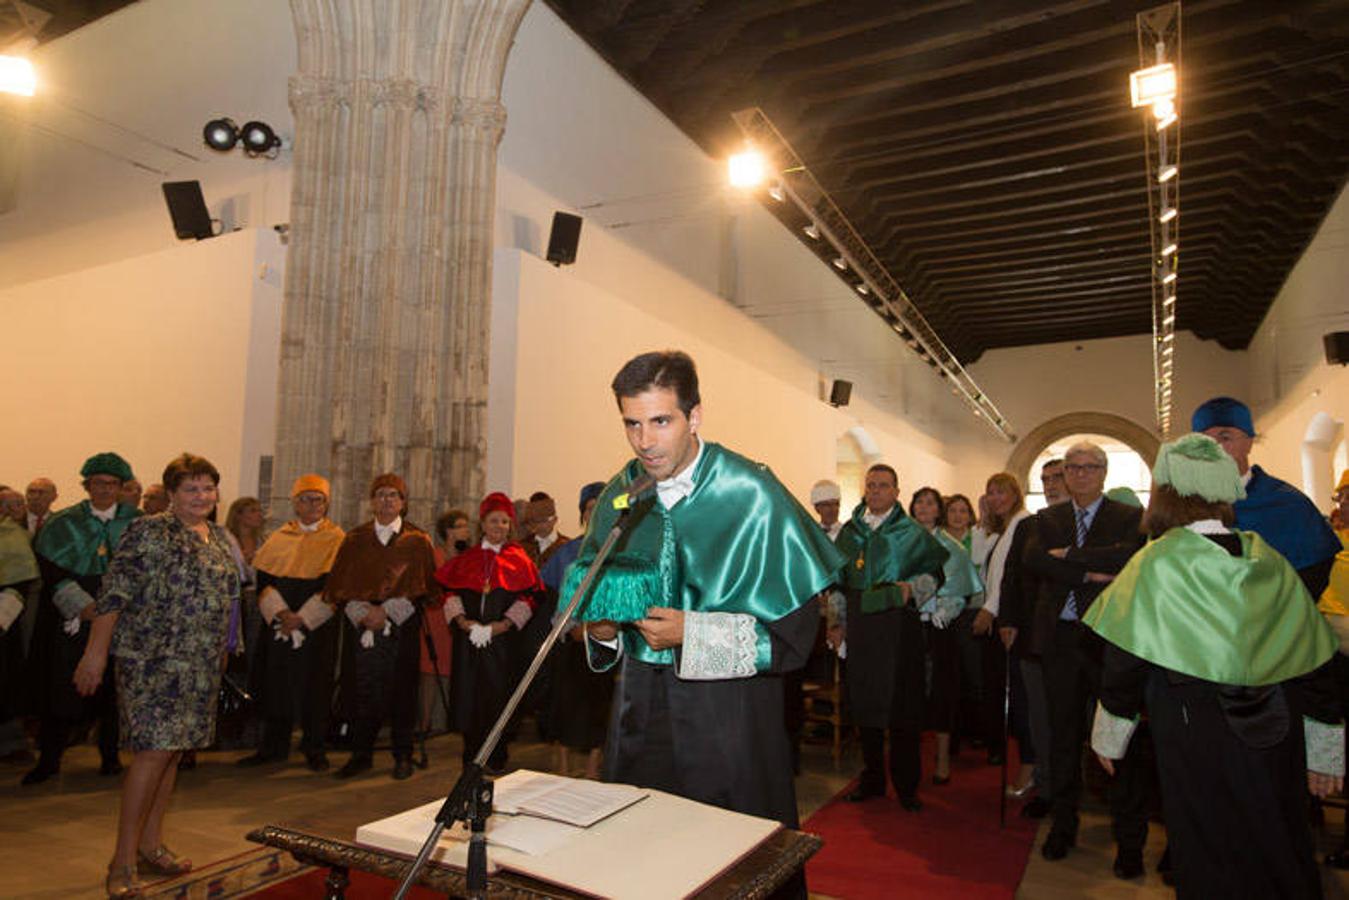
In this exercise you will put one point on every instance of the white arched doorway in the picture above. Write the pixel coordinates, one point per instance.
(1123, 434)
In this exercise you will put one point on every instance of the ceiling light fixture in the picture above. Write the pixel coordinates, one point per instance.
(746, 169)
(220, 134)
(840, 263)
(1167, 215)
(1166, 173)
(812, 231)
(17, 76)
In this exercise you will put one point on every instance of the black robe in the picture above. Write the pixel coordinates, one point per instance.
(483, 677)
(295, 684)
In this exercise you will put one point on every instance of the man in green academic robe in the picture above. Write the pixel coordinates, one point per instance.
(73, 550)
(705, 601)
(894, 567)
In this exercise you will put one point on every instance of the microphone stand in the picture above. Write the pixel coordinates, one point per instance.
(470, 800)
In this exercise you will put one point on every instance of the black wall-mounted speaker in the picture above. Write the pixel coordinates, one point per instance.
(840, 393)
(564, 237)
(1337, 348)
(187, 207)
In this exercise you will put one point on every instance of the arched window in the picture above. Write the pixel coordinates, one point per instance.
(1126, 467)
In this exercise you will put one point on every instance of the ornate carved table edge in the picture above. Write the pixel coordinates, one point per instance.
(765, 868)
(323, 852)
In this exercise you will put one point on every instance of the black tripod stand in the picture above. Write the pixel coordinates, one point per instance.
(470, 800)
(423, 759)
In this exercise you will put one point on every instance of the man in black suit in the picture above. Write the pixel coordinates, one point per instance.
(1077, 549)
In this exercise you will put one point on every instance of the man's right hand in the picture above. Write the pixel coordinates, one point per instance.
(834, 637)
(289, 621)
(602, 631)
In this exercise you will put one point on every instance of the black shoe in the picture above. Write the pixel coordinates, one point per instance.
(941, 779)
(1035, 808)
(111, 767)
(39, 774)
(186, 762)
(864, 793)
(1057, 845)
(911, 804)
(1128, 865)
(995, 758)
(402, 768)
(257, 759)
(355, 766)
(317, 762)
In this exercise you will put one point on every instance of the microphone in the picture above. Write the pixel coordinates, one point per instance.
(638, 491)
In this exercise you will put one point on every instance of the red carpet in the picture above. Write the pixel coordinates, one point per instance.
(953, 848)
(364, 886)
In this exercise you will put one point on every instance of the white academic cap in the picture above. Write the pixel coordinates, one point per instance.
(825, 490)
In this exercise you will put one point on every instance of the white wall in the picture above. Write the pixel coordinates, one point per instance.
(1290, 380)
(147, 356)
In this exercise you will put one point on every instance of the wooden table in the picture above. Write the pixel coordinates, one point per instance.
(756, 875)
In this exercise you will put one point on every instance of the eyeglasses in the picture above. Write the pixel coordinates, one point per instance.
(1078, 469)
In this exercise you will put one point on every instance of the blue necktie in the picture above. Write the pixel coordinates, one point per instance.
(1070, 606)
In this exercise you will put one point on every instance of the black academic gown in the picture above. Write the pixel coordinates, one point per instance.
(674, 735)
(1233, 769)
(483, 678)
(296, 684)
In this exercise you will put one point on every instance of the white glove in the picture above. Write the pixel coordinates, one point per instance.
(939, 618)
(480, 635)
(842, 649)
(368, 636)
(296, 638)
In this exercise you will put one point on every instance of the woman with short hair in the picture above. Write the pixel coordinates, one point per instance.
(162, 610)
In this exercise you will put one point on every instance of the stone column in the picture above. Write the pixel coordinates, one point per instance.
(384, 336)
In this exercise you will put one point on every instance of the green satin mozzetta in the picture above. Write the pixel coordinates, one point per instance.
(739, 543)
(962, 578)
(16, 556)
(896, 551)
(81, 543)
(1186, 604)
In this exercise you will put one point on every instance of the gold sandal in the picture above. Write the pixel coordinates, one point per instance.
(162, 861)
(121, 883)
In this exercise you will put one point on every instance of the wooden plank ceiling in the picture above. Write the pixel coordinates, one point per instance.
(987, 152)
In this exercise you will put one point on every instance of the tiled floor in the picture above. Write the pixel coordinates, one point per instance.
(55, 839)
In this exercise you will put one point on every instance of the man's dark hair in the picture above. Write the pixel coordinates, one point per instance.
(670, 369)
(539, 495)
(1056, 461)
(882, 467)
(447, 521)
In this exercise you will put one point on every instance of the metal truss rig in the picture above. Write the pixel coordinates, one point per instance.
(829, 234)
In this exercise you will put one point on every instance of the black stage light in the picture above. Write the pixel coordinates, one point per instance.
(220, 134)
(258, 138)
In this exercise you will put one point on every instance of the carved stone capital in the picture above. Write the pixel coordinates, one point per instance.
(487, 116)
(313, 92)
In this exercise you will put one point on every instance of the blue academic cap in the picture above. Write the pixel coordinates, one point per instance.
(590, 492)
(1223, 411)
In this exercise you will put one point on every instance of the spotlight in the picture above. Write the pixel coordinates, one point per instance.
(840, 263)
(1147, 86)
(812, 231)
(258, 138)
(1169, 249)
(863, 290)
(1169, 320)
(746, 169)
(220, 134)
(1169, 300)
(1166, 173)
(1168, 277)
(1168, 214)
(777, 193)
(17, 76)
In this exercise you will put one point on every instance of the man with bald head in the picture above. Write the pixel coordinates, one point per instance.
(154, 500)
(39, 497)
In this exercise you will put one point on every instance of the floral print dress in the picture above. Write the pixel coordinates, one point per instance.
(173, 591)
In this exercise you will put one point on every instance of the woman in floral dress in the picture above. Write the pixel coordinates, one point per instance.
(163, 611)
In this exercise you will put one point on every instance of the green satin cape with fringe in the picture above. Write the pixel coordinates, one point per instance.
(739, 543)
(1186, 604)
(896, 551)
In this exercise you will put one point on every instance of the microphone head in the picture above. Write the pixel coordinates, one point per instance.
(637, 491)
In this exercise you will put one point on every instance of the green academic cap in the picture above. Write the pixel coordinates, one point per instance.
(106, 464)
(1194, 465)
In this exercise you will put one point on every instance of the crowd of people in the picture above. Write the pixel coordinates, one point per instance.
(1194, 620)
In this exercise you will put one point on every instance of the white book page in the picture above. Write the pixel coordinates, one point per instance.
(581, 802)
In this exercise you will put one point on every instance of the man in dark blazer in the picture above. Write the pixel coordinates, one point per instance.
(1076, 551)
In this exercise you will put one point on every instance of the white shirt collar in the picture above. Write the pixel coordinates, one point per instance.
(678, 486)
(315, 527)
(103, 515)
(546, 541)
(1208, 526)
(495, 548)
(386, 533)
(874, 520)
(1246, 477)
(834, 529)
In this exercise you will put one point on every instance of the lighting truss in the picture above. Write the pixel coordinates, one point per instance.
(832, 237)
(1159, 63)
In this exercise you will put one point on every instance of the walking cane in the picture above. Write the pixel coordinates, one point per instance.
(1006, 734)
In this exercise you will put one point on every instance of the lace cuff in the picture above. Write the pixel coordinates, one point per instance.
(71, 599)
(1110, 734)
(518, 613)
(718, 645)
(356, 611)
(398, 609)
(315, 612)
(1325, 747)
(11, 607)
(923, 587)
(454, 607)
(270, 604)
